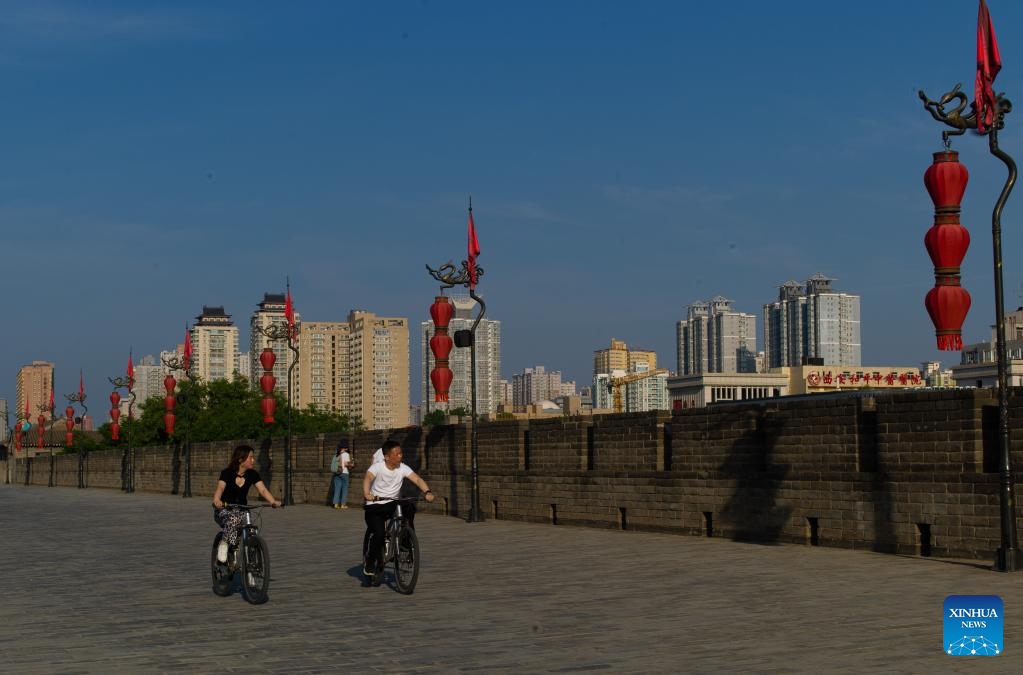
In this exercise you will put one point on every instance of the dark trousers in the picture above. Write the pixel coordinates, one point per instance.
(376, 516)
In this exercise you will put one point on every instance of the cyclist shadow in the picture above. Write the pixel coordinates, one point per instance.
(356, 573)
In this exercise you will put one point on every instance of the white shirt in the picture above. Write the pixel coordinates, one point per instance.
(378, 456)
(346, 459)
(387, 483)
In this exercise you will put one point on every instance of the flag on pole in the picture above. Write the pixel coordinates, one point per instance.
(187, 356)
(131, 367)
(474, 250)
(52, 404)
(81, 385)
(289, 312)
(989, 62)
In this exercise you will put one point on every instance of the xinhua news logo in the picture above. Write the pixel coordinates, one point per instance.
(973, 625)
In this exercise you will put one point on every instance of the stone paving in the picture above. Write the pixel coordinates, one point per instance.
(96, 581)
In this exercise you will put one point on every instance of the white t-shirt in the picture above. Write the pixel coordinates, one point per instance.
(346, 459)
(387, 483)
(378, 456)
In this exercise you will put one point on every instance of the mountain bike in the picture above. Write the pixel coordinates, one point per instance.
(401, 546)
(250, 557)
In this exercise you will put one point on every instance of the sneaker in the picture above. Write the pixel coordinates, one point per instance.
(222, 551)
(337, 506)
(344, 506)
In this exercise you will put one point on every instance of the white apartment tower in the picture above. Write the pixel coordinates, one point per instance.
(714, 338)
(214, 345)
(488, 362)
(812, 323)
(271, 311)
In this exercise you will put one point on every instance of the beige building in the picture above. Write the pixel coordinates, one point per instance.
(214, 345)
(322, 377)
(378, 369)
(271, 311)
(697, 391)
(620, 357)
(359, 367)
(33, 386)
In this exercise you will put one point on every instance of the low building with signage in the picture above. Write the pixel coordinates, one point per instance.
(697, 391)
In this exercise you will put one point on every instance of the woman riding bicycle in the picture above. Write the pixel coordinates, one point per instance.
(233, 488)
(380, 486)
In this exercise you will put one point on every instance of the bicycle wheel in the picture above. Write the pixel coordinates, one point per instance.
(222, 576)
(255, 567)
(406, 561)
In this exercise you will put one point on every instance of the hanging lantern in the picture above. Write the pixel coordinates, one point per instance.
(267, 383)
(947, 241)
(441, 312)
(268, 405)
(69, 424)
(41, 428)
(168, 403)
(17, 437)
(115, 414)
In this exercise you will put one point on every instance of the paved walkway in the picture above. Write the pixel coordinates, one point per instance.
(99, 581)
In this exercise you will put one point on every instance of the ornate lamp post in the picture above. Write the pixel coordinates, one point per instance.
(175, 364)
(275, 332)
(69, 421)
(947, 303)
(440, 344)
(128, 454)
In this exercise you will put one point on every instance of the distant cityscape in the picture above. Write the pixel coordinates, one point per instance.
(809, 343)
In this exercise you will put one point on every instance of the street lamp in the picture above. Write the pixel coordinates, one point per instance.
(276, 332)
(174, 364)
(449, 276)
(987, 116)
(70, 420)
(128, 454)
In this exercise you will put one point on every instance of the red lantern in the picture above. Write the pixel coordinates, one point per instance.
(115, 399)
(115, 414)
(267, 383)
(40, 427)
(115, 431)
(947, 241)
(69, 415)
(441, 379)
(69, 424)
(441, 312)
(268, 405)
(169, 383)
(168, 423)
(17, 437)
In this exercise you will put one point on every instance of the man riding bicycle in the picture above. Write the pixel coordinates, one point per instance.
(380, 487)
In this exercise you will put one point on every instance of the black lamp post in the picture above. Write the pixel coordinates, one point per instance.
(276, 332)
(72, 399)
(128, 455)
(1008, 556)
(184, 365)
(449, 276)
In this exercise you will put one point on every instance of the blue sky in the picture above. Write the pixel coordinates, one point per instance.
(625, 159)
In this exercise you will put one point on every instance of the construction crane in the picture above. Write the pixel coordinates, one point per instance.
(614, 384)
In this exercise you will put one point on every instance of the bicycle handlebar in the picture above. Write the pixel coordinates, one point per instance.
(246, 507)
(400, 499)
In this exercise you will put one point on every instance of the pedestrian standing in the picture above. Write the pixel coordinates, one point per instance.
(339, 483)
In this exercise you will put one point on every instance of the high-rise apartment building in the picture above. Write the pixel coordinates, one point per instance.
(714, 338)
(323, 374)
(271, 311)
(214, 345)
(649, 393)
(33, 387)
(620, 357)
(534, 385)
(812, 323)
(379, 369)
(244, 367)
(488, 362)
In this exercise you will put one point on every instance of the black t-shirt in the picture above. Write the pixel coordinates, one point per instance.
(232, 493)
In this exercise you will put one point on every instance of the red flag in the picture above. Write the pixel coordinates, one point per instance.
(187, 355)
(131, 369)
(289, 312)
(474, 250)
(81, 385)
(989, 62)
(52, 406)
